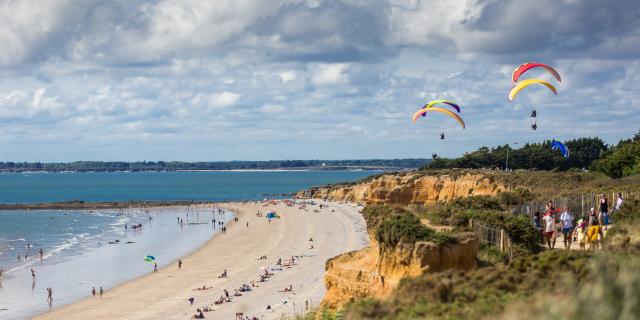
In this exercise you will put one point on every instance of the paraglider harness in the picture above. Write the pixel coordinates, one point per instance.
(441, 135)
(534, 125)
(434, 156)
(534, 113)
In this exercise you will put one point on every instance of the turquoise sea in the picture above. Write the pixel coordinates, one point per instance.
(83, 248)
(200, 186)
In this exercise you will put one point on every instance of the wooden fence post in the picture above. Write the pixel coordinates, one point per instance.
(502, 240)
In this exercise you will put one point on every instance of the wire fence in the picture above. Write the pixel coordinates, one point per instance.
(493, 236)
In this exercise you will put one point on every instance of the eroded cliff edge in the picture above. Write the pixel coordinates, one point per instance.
(411, 188)
(375, 271)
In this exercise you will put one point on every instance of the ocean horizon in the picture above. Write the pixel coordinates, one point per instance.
(212, 186)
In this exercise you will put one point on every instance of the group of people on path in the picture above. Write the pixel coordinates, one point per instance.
(586, 230)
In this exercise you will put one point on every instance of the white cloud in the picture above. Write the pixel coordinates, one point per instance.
(272, 108)
(329, 74)
(288, 75)
(224, 99)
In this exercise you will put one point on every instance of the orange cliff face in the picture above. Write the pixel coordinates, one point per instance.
(375, 272)
(410, 188)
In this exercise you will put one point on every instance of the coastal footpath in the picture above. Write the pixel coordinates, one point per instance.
(310, 234)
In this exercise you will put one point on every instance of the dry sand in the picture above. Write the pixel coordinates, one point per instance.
(164, 295)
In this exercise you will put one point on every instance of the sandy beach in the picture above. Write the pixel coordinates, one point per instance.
(335, 229)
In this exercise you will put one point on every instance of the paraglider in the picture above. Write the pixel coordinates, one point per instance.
(447, 112)
(521, 69)
(447, 102)
(534, 113)
(557, 145)
(525, 83)
(441, 135)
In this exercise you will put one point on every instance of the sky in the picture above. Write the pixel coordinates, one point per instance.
(257, 80)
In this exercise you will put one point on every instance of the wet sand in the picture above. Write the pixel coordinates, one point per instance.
(165, 295)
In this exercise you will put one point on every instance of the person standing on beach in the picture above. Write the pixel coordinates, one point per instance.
(155, 267)
(41, 253)
(33, 274)
(179, 264)
(49, 295)
(93, 291)
(101, 292)
(247, 224)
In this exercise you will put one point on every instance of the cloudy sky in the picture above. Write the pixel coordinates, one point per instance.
(256, 80)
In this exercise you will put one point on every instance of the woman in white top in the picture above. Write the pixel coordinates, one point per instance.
(566, 219)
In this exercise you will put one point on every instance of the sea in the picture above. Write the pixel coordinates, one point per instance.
(82, 249)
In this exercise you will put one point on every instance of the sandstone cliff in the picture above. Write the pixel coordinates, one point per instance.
(375, 272)
(411, 188)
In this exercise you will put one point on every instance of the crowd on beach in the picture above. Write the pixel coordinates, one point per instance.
(229, 296)
(218, 221)
(584, 229)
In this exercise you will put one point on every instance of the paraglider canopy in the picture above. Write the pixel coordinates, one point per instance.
(557, 145)
(447, 112)
(448, 102)
(525, 83)
(521, 69)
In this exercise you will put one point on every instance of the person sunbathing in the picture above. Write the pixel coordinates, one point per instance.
(203, 288)
(288, 289)
(236, 293)
(219, 301)
(223, 275)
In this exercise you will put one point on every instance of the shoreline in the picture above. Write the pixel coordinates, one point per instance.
(100, 259)
(165, 295)
(113, 205)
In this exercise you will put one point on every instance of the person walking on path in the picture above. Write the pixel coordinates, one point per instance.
(604, 211)
(566, 219)
(549, 229)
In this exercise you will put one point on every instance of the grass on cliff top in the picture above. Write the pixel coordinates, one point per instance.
(473, 295)
(492, 211)
(394, 225)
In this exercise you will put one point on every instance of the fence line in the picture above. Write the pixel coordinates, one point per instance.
(492, 236)
(579, 203)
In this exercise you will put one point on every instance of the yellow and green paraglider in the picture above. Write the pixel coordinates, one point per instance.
(424, 111)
